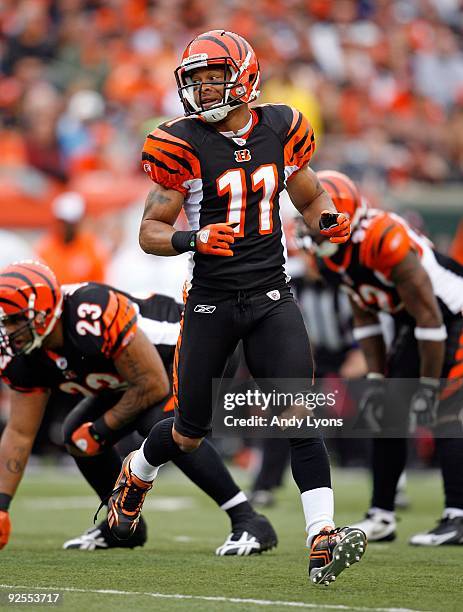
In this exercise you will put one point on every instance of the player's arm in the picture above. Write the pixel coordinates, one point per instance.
(415, 289)
(316, 206)
(159, 237)
(172, 164)
(369, 336)
(162, 208)
(141, 367)
(27, 411)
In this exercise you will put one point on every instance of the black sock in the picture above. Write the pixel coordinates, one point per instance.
(309, 463)
(160, 446)
(389, 458)
(207, 470)
(240, 513)
(450, 453)
(101, 471)
(275, 459)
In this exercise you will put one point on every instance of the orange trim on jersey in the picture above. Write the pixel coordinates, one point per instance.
(296, 115)
(177, 120)
(26, 390)
(169, 405)
(255, 121)
(176, 356)
(345, 262)
(455, 376)
(262, 185)
(167, 136)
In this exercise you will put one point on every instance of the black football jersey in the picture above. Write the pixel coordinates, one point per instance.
(98, 323)
(381, 241)
(235, 180)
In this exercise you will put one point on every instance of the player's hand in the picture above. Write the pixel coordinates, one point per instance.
(371, 404)
(424, 403)
(5, 528)
(335, 225)
(215, 239)
(87, 440)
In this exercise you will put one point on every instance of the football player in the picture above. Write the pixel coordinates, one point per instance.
(389, 267)
(226, 164)
(116, 352)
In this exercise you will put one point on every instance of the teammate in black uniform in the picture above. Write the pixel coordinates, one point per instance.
(226, 165)
(116, 351)
(392, 268)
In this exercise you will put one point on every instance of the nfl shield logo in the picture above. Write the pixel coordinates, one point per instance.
(274, 295)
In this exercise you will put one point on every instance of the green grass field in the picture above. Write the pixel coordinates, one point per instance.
(179, 561)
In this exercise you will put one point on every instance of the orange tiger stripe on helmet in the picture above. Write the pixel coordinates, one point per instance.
(343, 191)
(385, 244)
(30, 288)
(241, 72)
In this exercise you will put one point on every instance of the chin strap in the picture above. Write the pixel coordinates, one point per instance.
(215, 114)
(38, 338)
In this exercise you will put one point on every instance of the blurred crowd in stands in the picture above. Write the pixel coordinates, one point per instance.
(82, 81)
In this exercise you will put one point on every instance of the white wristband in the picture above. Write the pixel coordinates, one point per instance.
(375, 376)
(436, 334)
(367, 331)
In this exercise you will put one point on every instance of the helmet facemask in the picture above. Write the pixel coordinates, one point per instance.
(31, 331)
(233, 90)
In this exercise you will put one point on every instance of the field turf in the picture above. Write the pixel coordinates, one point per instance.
(185, 527)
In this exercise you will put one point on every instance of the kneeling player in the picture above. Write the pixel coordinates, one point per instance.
(114, 350)
(389, 267)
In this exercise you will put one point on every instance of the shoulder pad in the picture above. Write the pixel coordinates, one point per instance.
(168, 155)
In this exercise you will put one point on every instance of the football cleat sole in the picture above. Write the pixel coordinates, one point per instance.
(347, 552)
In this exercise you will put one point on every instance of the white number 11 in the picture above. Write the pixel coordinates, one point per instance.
(233, 182)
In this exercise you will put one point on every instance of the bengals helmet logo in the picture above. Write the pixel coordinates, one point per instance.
(243, 155)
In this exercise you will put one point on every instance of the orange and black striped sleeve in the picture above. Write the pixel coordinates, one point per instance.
(299, 143)
(119, 324)
(385, 244)
(169, 160)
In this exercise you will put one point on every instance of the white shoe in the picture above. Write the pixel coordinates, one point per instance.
(378, 525)
(254, 535)
(449, 530)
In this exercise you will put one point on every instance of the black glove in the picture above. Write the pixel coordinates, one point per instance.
(424, 403)
(371, 404)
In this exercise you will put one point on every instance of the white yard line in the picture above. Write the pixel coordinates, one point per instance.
(160, 503)
(238, 600)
